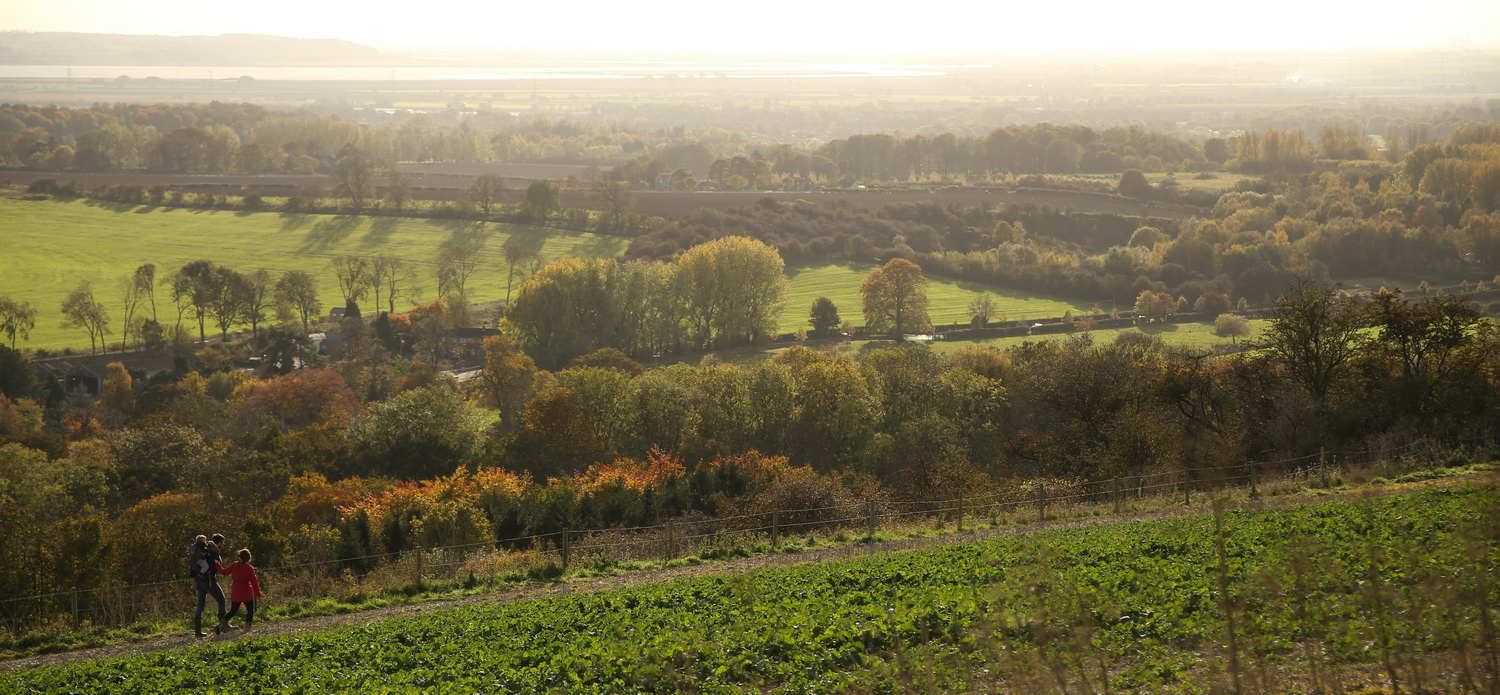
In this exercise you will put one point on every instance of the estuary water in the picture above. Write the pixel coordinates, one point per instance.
(451, 71)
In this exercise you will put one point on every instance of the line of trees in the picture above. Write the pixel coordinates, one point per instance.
(201, 291)
(723, 293)
(209, 294)
(219, 138)
(1026, 149)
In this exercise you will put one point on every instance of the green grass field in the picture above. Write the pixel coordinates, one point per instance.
(947, 298)
(50, 246)
(1183, 334)
(1199, 335)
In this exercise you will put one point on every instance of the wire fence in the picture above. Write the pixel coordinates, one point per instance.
(548, 555)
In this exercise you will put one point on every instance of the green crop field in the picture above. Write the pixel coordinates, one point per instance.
(50, 246)
(947, 298)
(1197, 335)
(1396, 586)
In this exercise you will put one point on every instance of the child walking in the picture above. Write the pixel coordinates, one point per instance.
(245, 589)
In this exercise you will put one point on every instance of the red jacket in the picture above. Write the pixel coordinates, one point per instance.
(246, 586)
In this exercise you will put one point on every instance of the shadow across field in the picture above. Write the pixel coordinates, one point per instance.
(380, 231)
(463, 231)
(599, 245)
(293, 221)
(851, 266)
(472, 234)
(528, 239)
(1013, 293)
(1156, 328)
(329, 232)
(118, 207)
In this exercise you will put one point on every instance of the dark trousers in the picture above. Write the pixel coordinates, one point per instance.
(234, 607)
(207, 588)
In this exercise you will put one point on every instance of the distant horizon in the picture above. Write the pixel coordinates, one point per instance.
(953, 57)
(800, 29)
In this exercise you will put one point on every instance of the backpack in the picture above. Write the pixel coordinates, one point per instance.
(195, 556)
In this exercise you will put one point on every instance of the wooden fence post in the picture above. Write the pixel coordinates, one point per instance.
(870, 517)
(960, 511)
(1041, 502)
(419, 565)
(775, 528)
(564, 551)
(75, 608)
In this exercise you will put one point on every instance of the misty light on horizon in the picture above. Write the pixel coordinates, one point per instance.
(792, 28)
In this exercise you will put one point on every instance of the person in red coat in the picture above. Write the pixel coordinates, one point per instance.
(245, 589)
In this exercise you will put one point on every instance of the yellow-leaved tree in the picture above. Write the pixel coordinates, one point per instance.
(895, 299)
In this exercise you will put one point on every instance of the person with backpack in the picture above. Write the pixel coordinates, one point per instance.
(244, 589)
(196, 564)
(204, 567)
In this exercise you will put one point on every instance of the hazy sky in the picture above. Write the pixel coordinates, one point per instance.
(793, 28)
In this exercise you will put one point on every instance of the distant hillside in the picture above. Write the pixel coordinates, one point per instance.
(60, 48)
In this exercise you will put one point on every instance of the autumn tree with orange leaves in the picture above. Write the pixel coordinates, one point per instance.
(508, 378)
(306, 397)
